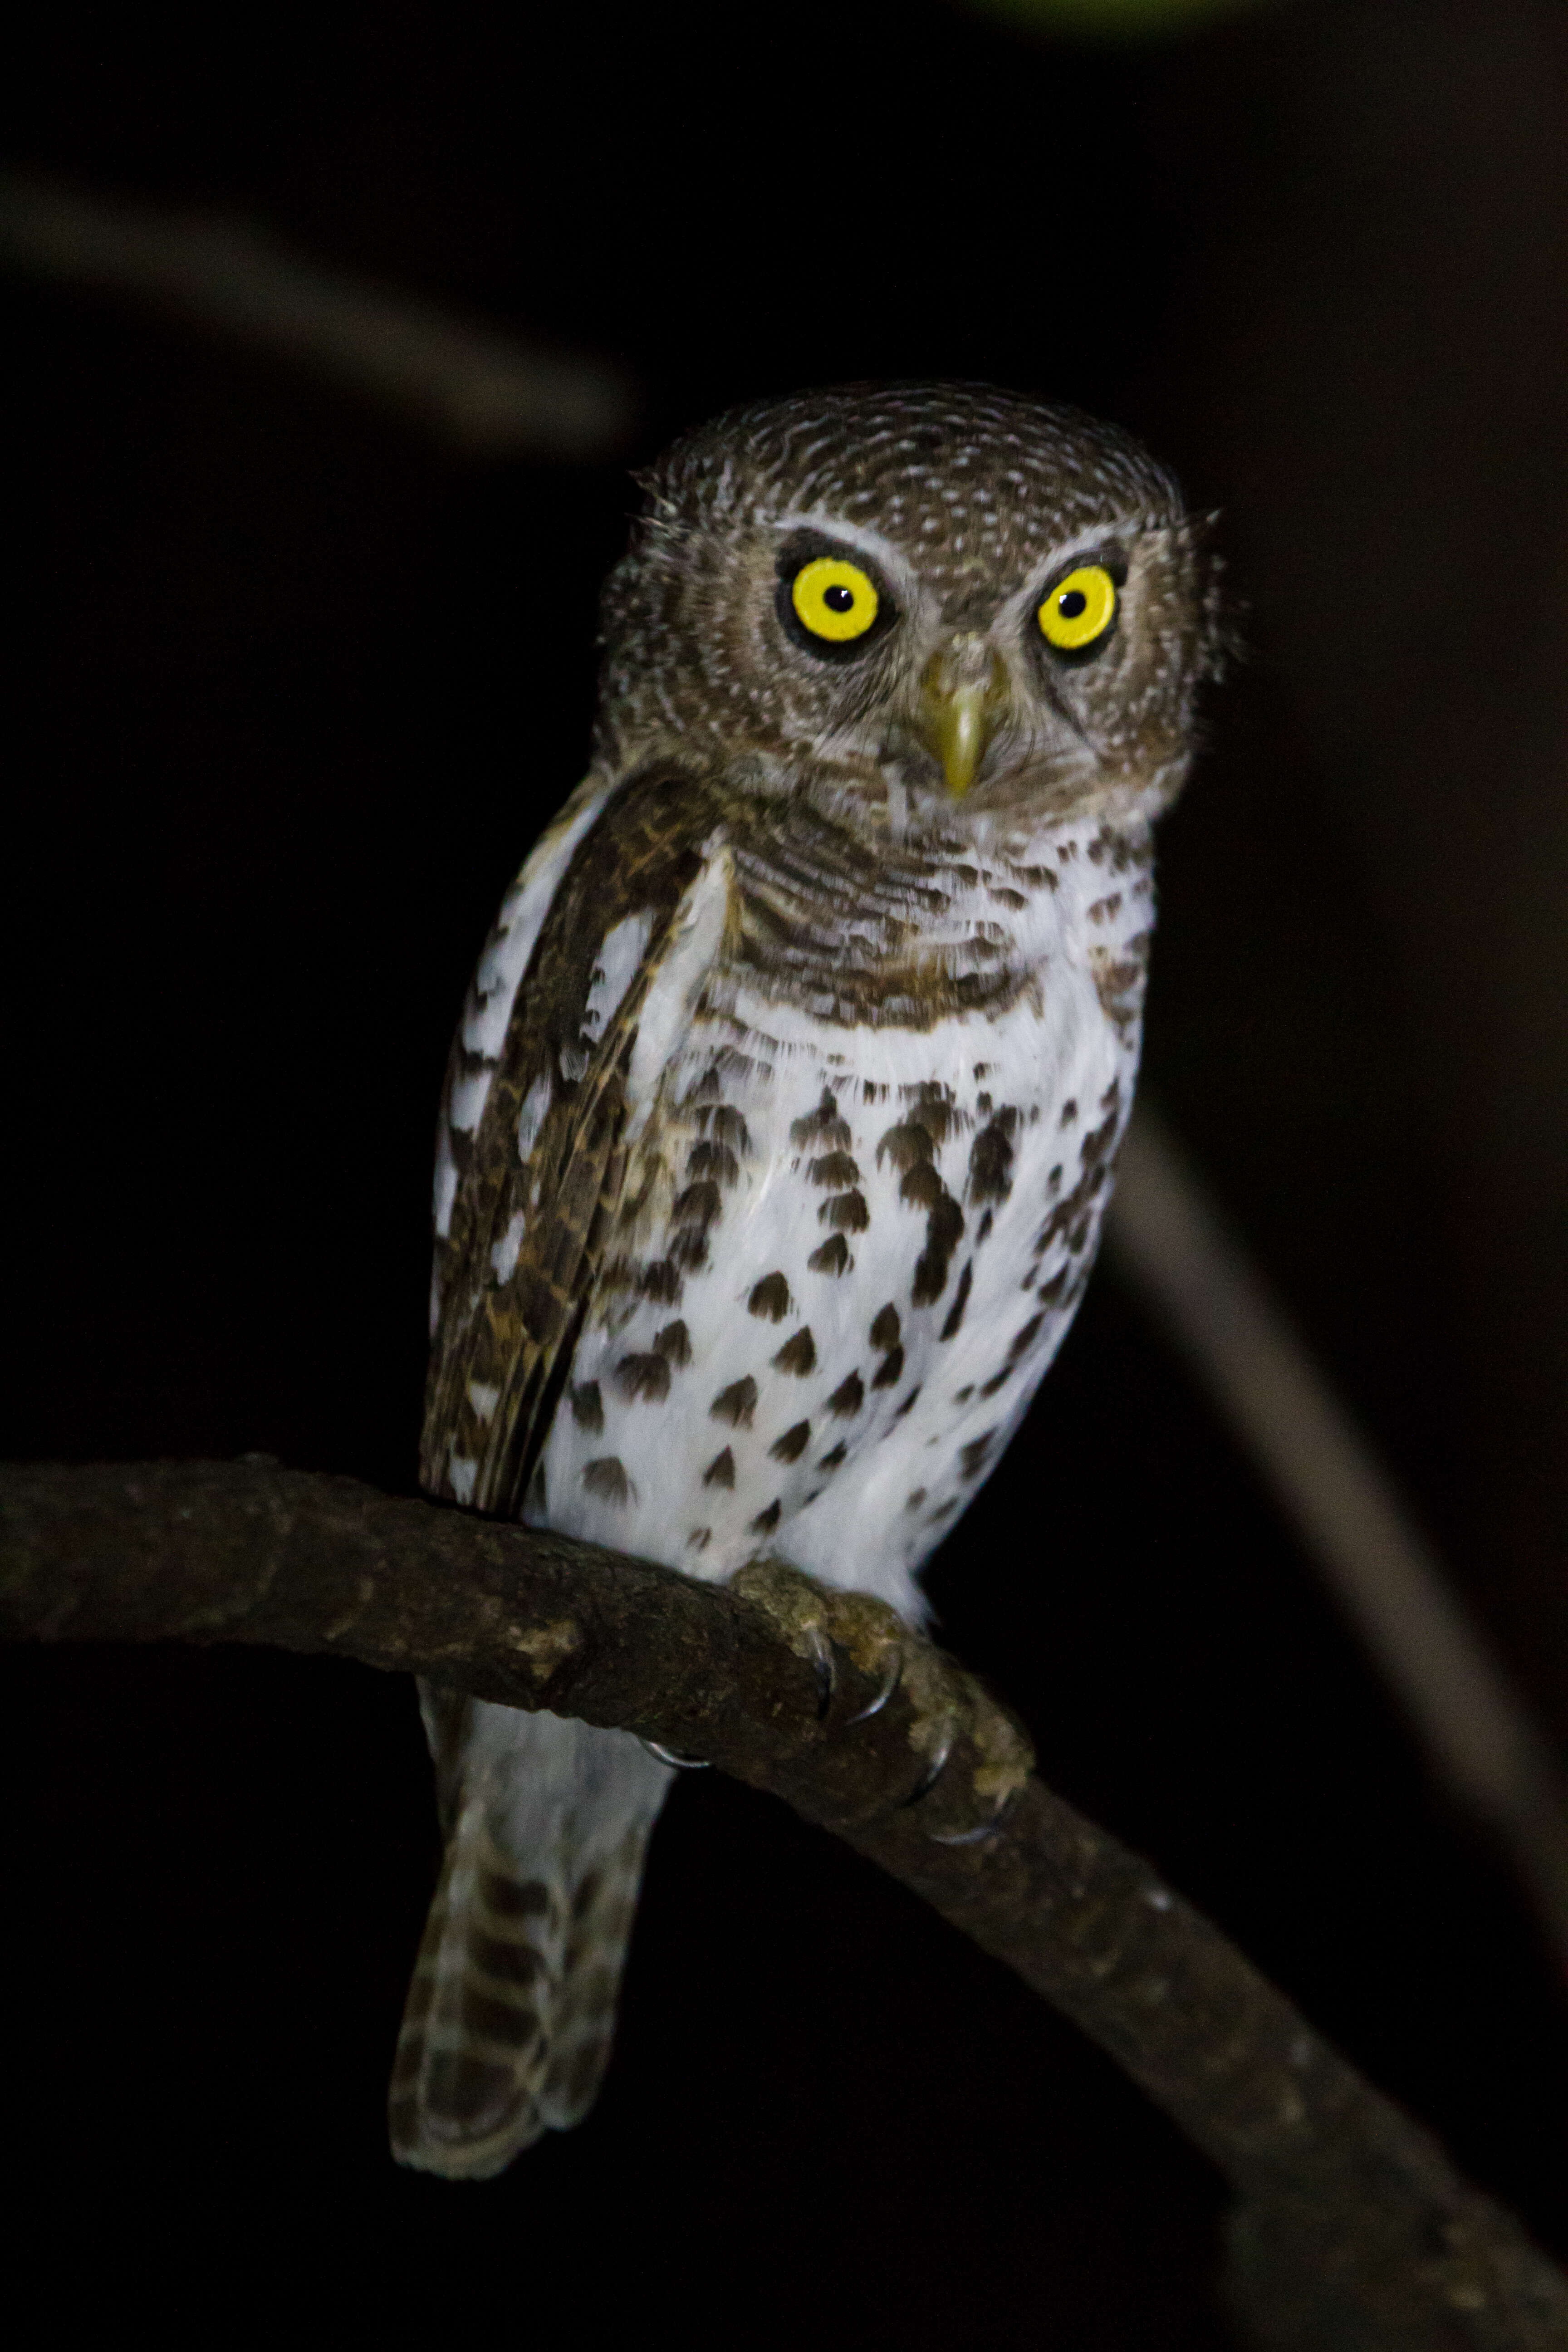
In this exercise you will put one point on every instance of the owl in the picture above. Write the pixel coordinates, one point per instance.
(778, 1129)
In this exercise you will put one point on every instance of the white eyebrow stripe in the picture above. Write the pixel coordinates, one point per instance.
(897, 564)
(853, 534)
(1086, 542)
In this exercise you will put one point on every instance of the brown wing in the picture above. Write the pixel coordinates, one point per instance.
(535, 1204)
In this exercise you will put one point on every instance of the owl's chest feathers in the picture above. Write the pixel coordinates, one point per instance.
(848, 1246)
(802, 1211)
(913, 937)
(969, 1007)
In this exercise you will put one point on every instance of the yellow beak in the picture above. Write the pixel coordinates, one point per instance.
(962, 695)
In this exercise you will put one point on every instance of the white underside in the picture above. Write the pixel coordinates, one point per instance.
(867, 1523)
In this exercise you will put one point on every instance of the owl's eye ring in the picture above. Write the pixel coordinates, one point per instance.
(830, 603)
(833, 599)
(1078, 613)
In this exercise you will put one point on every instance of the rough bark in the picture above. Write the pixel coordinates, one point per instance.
(1352, 2230)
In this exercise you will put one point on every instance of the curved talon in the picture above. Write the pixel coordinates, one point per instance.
(826, 1674)
(936, 1767)
(986, 1830)
(889, 1686)
(676, 1757)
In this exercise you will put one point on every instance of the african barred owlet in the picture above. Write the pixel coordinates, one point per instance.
(778, 1129)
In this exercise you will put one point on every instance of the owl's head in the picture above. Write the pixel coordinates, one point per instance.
(915, 603)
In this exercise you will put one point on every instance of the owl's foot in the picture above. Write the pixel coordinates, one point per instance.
(892, 1676)
(851, 1638)
(676, 1757)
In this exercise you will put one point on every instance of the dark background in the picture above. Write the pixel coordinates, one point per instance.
(290, 692)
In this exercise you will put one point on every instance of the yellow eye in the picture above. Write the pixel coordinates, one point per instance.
(833, 599)
(1080, 608)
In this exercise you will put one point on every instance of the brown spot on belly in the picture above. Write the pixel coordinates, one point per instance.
(698, 1204)
(847, 1213)
(831, 1257)
(834, 1461)
(769, 1297)
(944, 1231)
(736, 1404)
(1072, 1219)
(720, 1471)
(907, 1146)
(955, 1313)
(1118, 982)
(694, 1212)
(713, 1160)
(933, 1100)
(726, 1125)
(822, 1126)
(766, 1521)
(991, 1158)
(1098, 1143)
(644, 1377)
(848, 1398)
(607, 1478)
(587, 1407)
(837, 1169)
(793, 1444)
(890, 1371)
(699, 1538)
(885, 1330)
(1024, 1339)
(674, 1344)
(911, 1149)
(972, 1457)
(798, 1354)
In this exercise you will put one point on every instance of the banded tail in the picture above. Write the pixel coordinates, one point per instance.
(509, 2021)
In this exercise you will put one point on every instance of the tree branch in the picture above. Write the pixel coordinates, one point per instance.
(1194, 1277)
(1352, 2230)
(483, 390)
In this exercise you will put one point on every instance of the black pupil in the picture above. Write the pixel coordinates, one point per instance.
(838, 600)
(1071, 602)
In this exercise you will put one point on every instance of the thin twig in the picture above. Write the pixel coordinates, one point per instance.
(484, 392)
(1173, 1245)
(1353, 2231)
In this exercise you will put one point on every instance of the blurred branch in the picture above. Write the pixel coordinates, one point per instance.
(477, 388)
(1170, 1243)
(1109, 20)
(1351, 2228)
